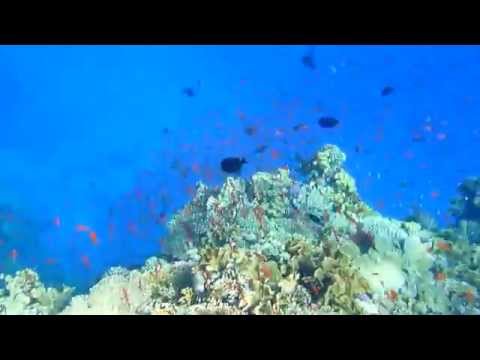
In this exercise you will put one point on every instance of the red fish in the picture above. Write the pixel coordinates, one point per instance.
(86, 261)
(196, 168)
(93, 237)
(111, 230)
(56, 221)
(409, 154)
(132, 228)
(275, 154)
(82, 228)
(191, 190)
(207, 173)
(278, 133)
(162, 242)
(428, 128)
(380, 204)
(434, 194)
(13, 255)
(379, 135)
(138, 194)
(50, 261)
(2, 242)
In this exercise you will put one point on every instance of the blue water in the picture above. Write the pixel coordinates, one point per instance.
(82, 138)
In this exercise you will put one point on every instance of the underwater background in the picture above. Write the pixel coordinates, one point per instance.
(101, 145)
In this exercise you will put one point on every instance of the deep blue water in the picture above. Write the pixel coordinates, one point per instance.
(83, 142)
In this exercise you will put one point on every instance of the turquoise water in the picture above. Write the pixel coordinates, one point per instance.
(105, 137)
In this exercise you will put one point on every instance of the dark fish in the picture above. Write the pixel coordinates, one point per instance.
(250, 130)
(182, 170)
(358, 149)
(300, 126)
(190, 92)
(261, 148)
(387, 90)
(328, 122)
(309, 61)
(232, 164)
(165, 131)
(305, 166)
(315, 219)
(418, 138)
(404, 184)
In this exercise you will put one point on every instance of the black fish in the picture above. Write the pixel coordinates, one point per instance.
(328, 122)
(387, 90)
(261, 148)
(232, 164)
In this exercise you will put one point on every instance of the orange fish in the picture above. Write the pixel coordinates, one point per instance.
(13, 255)
(440, 276)
(93, 237)
(392, 295)
(82, 228)
(443, 246)
(56, 221)
(469, 296)
(434, 194)
(85, 261)
(266, 271)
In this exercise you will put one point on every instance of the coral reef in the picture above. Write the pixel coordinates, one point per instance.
(466, 205)
(24, 294)
(273, 245)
